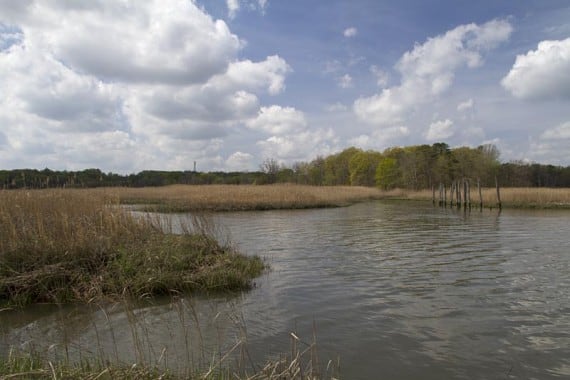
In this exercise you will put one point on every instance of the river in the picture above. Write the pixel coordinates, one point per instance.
(393, 290)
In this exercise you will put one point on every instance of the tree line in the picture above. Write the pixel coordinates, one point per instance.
(413, 167)
(46, 178)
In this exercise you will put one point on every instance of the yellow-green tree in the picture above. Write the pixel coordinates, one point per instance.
(362, 168)
(337, 171)
(387, 173)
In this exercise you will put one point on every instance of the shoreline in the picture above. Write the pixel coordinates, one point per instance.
(222, 198)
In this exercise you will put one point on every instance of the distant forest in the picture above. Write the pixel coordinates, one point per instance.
(414, 167)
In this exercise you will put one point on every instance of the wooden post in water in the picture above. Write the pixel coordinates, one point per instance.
(444, 195)
(433, 194)
(451, 193)
(458, 187)
(464, 193)
(480, 194)
(469, 193)
(498, 193)
(440, 194)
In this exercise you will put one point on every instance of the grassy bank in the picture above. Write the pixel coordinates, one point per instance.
(180, 198)
(511, 197)
(77, 246)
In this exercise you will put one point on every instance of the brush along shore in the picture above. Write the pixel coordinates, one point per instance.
(61, 246)
(511, 197)
(183, 198)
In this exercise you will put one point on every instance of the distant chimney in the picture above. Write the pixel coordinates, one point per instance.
(194, 166)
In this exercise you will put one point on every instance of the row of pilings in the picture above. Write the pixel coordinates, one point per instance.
(459, 192)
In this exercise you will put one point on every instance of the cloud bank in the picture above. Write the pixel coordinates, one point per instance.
(543, 73)
(150, 84)
(428, 70)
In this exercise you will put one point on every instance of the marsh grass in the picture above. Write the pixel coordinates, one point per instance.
(62, 246)
(511, 197)
(20, 365)
(182, 198)
(191, 359)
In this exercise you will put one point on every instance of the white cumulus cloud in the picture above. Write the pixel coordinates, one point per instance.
(233, 8)
(440, 130)
(543, 73)
(552, 145)
(239, 161)
(428, 70)
(302, 146)
(466, 105)
(380, 139)
(382, 76)
(350, 32)
(278, 120)
(561, 132)
(345, 81)
(155, 82)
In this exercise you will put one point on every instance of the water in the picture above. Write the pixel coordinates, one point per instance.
(395, 290)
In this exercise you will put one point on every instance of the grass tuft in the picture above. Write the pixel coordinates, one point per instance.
(62, 246)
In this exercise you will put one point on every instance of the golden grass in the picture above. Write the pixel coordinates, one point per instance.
(242, 197)
(79, 245)
(514, 197)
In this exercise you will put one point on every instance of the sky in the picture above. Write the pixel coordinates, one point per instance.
(131, 85)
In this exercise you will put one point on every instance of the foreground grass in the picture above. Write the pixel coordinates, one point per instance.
(31, 366)
(61, 246)
(300, 364)
(511, 197)
(181, 198)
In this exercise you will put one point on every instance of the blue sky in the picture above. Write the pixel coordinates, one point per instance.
(127, 86)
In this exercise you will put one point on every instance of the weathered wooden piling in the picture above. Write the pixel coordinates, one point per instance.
(433, 194)
(451, 188)
(464, 193)
(480, 194)
(458, 194)
(498, 193)
(468, 184)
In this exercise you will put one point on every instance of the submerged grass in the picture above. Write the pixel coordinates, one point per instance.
(175, 360)
(300, 365)
(180, 198)
(63, 246)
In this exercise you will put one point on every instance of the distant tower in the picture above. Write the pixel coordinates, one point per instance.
(194, 166)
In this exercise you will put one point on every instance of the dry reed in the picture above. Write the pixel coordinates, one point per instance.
(513, 197)
(241, 197)
(75, 245)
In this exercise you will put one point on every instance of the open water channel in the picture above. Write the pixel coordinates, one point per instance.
(393, 290)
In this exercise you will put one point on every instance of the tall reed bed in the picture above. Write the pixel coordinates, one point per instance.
(513, 197)
(241, 197)
(74, 245)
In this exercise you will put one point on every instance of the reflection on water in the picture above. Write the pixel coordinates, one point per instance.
(397, 290)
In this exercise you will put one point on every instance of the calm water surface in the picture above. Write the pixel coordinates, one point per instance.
(395, 290)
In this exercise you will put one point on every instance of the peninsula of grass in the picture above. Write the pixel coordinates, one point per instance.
(63, 246)
(187, 198)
